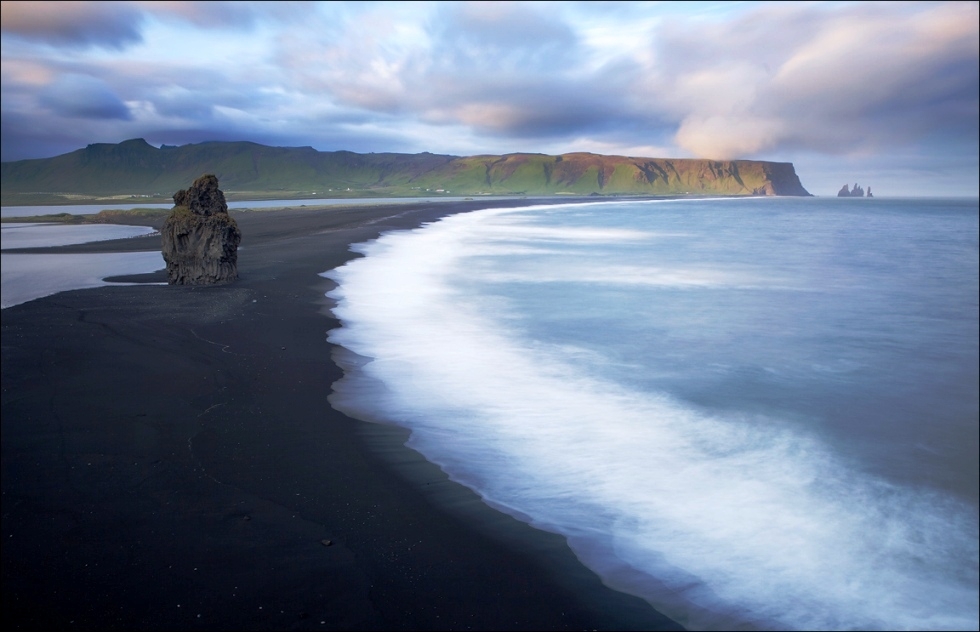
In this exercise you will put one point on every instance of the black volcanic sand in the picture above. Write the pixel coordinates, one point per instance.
(170, 461)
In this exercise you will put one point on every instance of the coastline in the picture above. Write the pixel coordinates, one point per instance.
(170, 461)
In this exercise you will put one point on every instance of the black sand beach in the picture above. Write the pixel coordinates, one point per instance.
(170, 461)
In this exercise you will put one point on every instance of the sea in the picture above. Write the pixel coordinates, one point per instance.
(753, 413)
(25, 277)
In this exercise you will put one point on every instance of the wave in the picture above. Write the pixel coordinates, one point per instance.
(718, 520)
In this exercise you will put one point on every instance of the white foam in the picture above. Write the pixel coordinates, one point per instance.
(717, 521)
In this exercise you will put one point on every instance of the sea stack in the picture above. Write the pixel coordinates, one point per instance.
(200, 238)
(857, 191)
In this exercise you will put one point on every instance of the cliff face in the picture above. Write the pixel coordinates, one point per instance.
(584, 174)
(139, 169)
(200, 239)
(783, 179)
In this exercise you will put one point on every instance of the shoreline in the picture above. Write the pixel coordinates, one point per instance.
(170, 461)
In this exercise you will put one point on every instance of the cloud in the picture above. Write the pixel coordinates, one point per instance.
(852, 79)
(842, 79)
(238, 15)
(505, 70)
(720, 136)
(502, 37)
(121, 24)
(780, 81)
(80, 96)
(113, 25)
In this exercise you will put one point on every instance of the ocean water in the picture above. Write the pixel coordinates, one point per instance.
(25, 277)
(753, 413)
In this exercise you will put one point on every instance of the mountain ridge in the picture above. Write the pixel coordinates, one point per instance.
(136, 169)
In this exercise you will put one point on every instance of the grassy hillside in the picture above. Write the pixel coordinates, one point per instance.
(135, 170)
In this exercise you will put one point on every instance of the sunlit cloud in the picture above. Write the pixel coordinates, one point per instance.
(854, 78)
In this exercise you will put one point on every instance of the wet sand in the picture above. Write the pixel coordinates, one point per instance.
(170, 461)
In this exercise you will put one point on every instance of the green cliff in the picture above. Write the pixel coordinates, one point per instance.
(135, 170)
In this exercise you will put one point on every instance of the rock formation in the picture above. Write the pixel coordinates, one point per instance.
(857, 191)
(200, 238)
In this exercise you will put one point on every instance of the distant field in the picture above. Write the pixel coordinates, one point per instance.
(144, 216)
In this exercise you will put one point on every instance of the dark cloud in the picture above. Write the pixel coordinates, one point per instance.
(184, 105)
(79, 96)
(23, 138)
(328, 139)
(541, 109)
(118, 25)
(201, 103)
(113, 25)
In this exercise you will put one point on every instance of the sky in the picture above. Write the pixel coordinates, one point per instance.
(880, 93)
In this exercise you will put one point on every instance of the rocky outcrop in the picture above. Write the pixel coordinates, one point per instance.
(781, 180)
(857, 191)
(200, 238)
